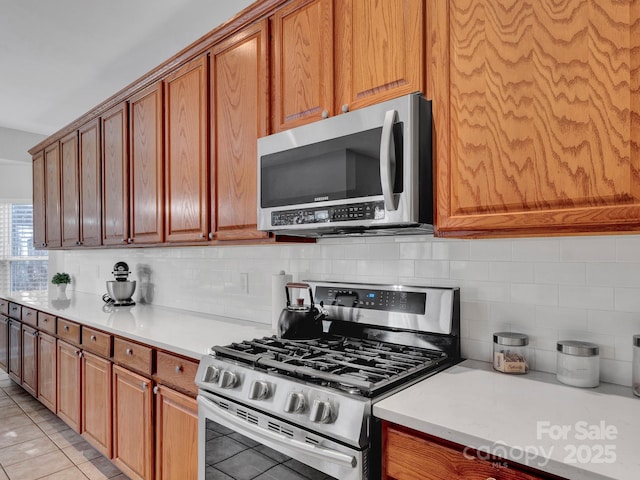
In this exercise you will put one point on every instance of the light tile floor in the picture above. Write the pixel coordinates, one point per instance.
(36, 444)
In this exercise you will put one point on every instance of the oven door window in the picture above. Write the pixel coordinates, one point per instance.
(337, 169)
(232, 456)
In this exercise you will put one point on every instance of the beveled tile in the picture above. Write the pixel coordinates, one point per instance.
(81, 452)
(18, 419)
(66, 438)
(73, 473)
(26, 450)
(99, 469)
(19, 435)
(47, 464)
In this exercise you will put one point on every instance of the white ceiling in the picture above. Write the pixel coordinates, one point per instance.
(60, 58)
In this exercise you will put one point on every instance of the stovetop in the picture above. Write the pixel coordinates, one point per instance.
(353, 365)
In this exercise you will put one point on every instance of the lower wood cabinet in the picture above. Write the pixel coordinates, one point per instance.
(30, 359)
(410, 455)
(69, 385)
(4, 342)
(47, 361)
(176, 435)
(15, 351)
(132, 424)
(96, 402)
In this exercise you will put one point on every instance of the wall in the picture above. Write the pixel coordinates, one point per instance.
(585, 288)
(16, 181)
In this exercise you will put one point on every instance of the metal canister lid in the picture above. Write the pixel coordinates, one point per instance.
(511, 339)
(636, 340)
(580, 349)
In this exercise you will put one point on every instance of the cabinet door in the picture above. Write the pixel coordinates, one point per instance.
(186, 173)
(39, 203)
(52, 196)
(146, 166)
(47, 361)
(30, 359)
(303, 63)
(90, 185)
(239, 115)
(96, 402)
(176, 435)
(68, 385)
(536, 128)
(15, 351)
(4, 342)
(115, 176)
(70, 185)
(132, 424)
(379, 51)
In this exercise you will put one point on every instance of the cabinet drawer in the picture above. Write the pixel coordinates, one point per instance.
(69, 331)
(4, 307)
(96, 341)
(178, 372)
(29, 316)
(15, 311)
(133, 355)
(46, 322)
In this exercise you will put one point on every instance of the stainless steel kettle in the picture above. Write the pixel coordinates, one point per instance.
(300, 321)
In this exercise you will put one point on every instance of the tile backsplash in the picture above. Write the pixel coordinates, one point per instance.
(583, 288)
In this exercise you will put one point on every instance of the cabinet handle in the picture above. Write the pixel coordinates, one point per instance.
(45, 320)
(28, 314)
(144, 385)
(210, 235)
(129, 240)
(92, 338)
(178, 368)
(128, 351)
(325, 114)
(155, 390)
(345, 108)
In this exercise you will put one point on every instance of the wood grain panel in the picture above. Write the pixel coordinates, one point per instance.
(96, 403)
(52, 195)
(29, 316)
(69, 331)
(303, 63)
(47, 322)
(146, 166)
(133, 355)
(543, 103)
(4, 306)
(90, 184)
(4, 342)
(69, 388)
(70, 190)
(379, 50)
(39, 203)
(30, 359)
(47, 371)
(177, 372)
(96, 341)
(115, 176)
(15, 351)
(239, 86)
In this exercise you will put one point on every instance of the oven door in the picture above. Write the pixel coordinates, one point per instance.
(236, 442)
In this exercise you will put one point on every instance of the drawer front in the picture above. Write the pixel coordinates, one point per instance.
(133, 355)
(96, 342)
(177, 372)
(15, 311)
(4, 307)
(47, 323)
(69, 331)
(29, 316)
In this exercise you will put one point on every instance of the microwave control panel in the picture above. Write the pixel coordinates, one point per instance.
(337, 213)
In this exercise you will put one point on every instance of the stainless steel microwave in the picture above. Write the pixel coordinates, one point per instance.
(365, 172)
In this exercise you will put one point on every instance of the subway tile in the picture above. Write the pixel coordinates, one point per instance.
(490, 250)
(536, 250)
(469, 271)
(607, 321)
(534, 294)
(560, 273)
(613, 371)
(561, 318)
(516, 272)
(511, 313)
(432, 268)
(627, 300)
(369, 268)
(416, 251)
(596, 298)
(623, 347)
(477, 350)
(398, 268)
(627, 248)
(451, 250)
(613, 274)
(587, 249)
(384, 251)
(545, 361)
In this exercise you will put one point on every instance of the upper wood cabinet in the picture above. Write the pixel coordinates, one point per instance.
(39, 203)
(146, 198)
(53, 237)
(303, 63)
(115, 176)
(379, 51)
(90, 184)
(239, 115)
(536, 124)
(70, 185)
(186, 173)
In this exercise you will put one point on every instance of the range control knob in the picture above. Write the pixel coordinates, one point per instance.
(259, 390)
(211, 374)
(227, 379)
(320, 412)
(295, 402)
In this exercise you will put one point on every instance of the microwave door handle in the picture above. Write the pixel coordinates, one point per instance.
(388, 160)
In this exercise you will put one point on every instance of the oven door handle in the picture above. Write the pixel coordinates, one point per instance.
(388, 160)
(313, 450)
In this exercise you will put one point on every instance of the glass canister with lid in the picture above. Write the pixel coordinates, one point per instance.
(511, 352)
(578, 363)
(636, 365)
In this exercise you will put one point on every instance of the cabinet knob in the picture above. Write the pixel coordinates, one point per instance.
(129, 240)
(345, 108)
(178, 368)
(210, 235)
(45, 320)
(28, 314)
(155, 390)
(66, 328)
(128, 351)
(325, 113)
(144, 385)
(124, 240)
(35, 334)
(202, 235)
(92, 338)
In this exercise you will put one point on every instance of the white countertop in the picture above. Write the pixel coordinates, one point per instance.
(179, 331)
(529, 419)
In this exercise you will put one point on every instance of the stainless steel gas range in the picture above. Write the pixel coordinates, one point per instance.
(281, 409)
